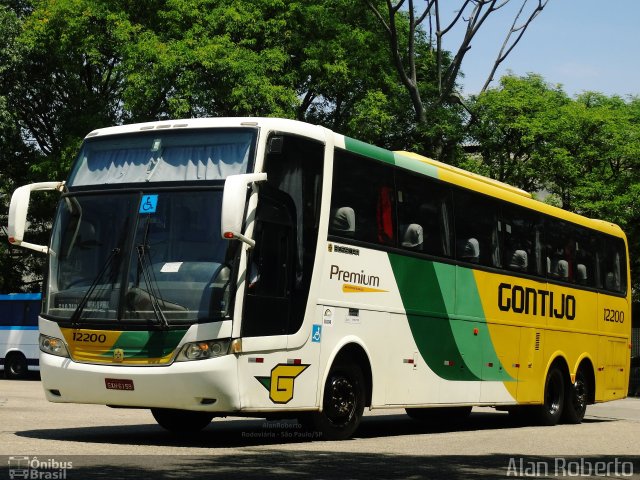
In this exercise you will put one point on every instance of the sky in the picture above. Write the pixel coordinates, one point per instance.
(583, 45)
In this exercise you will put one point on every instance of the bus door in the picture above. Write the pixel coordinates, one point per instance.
(276, 371)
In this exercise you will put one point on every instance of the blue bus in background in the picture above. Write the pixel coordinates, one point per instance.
(19, 350)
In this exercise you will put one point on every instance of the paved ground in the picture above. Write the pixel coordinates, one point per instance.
(100, 442)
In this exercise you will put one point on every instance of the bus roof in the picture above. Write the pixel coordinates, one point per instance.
(409, 160)
(277, 124)
(475, 182)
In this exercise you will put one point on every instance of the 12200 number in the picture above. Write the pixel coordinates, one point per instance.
(616, 316)
(89, 337)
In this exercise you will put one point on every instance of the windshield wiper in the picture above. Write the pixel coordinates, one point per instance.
(153, 290)
(75, 317)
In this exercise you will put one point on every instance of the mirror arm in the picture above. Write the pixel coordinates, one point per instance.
(18, 213)
(233, 206)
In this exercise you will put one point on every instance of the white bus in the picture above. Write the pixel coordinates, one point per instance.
(267, 267)
(19, 350)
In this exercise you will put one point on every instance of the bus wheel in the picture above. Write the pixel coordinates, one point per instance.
(15, 366)
(550, 411)
(576, 399)
(439, 415)
(343, 405)
(181, 421)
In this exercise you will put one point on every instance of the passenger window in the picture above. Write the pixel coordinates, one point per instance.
(424, 212)
(476, 223)
(560, 250)
(362, 200)
(587, 268)
(521, 231)
(613, 266)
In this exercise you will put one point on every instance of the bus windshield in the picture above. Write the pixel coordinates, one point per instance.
(163, 156)
(139, 257)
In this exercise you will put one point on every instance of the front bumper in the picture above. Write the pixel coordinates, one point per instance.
(204, 385)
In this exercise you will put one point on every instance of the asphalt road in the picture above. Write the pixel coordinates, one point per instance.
(90, 441)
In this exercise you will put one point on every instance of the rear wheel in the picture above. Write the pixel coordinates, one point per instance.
(576, 399)
(550, 411)
(15, 366)
(343, 404)
(181, 421)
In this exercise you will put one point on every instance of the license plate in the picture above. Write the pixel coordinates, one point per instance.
(118, 384)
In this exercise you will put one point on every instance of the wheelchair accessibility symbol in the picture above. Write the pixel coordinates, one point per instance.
(316, 333)
(148, 204)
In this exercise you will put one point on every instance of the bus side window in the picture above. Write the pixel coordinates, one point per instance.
(362, 200)
(587, 271)
(521, 232)
(476, 229)
(561, 244)
(613, 266)
(423, 214)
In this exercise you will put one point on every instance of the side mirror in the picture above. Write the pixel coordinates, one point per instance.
(234, 201)
(18, 213)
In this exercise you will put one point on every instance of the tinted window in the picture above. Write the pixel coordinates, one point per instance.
(521, 240)
(560, 250)
(588, 247)
(362, 200)
(613, 265)
(424, 212)
(476, 229)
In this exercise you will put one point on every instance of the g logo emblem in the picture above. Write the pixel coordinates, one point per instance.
(280, 383)
(118, 355)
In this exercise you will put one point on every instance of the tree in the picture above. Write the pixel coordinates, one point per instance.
(513, 126)
(582, 153)
(70, 66)
(15, 157)
(406, 27)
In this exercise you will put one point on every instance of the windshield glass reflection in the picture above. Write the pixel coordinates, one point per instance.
(171, 260)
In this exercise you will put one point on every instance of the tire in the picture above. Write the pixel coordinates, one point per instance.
(439, 415)
(550, 411)
(342, 406)
(181, 421)
(576, 399)
(15, 366)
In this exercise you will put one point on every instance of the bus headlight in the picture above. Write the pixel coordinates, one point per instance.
(53, 346)
(204, 350)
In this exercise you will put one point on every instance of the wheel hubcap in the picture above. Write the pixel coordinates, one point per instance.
(553, 395)
(579, 395)
(341, 401)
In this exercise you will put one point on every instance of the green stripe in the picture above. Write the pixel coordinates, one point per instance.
(428, 291)
(147, 344)
(368, 150)
(392, 158)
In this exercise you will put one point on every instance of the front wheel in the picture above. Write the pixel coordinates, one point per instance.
(181, 421)
(576, 399)
(15, 366)
(343, 404)
(550, 411)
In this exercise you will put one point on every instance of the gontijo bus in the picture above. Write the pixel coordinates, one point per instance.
(267, 267)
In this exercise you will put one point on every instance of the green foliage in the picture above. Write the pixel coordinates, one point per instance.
(584, 152)
(512, 124)
(70, 66)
